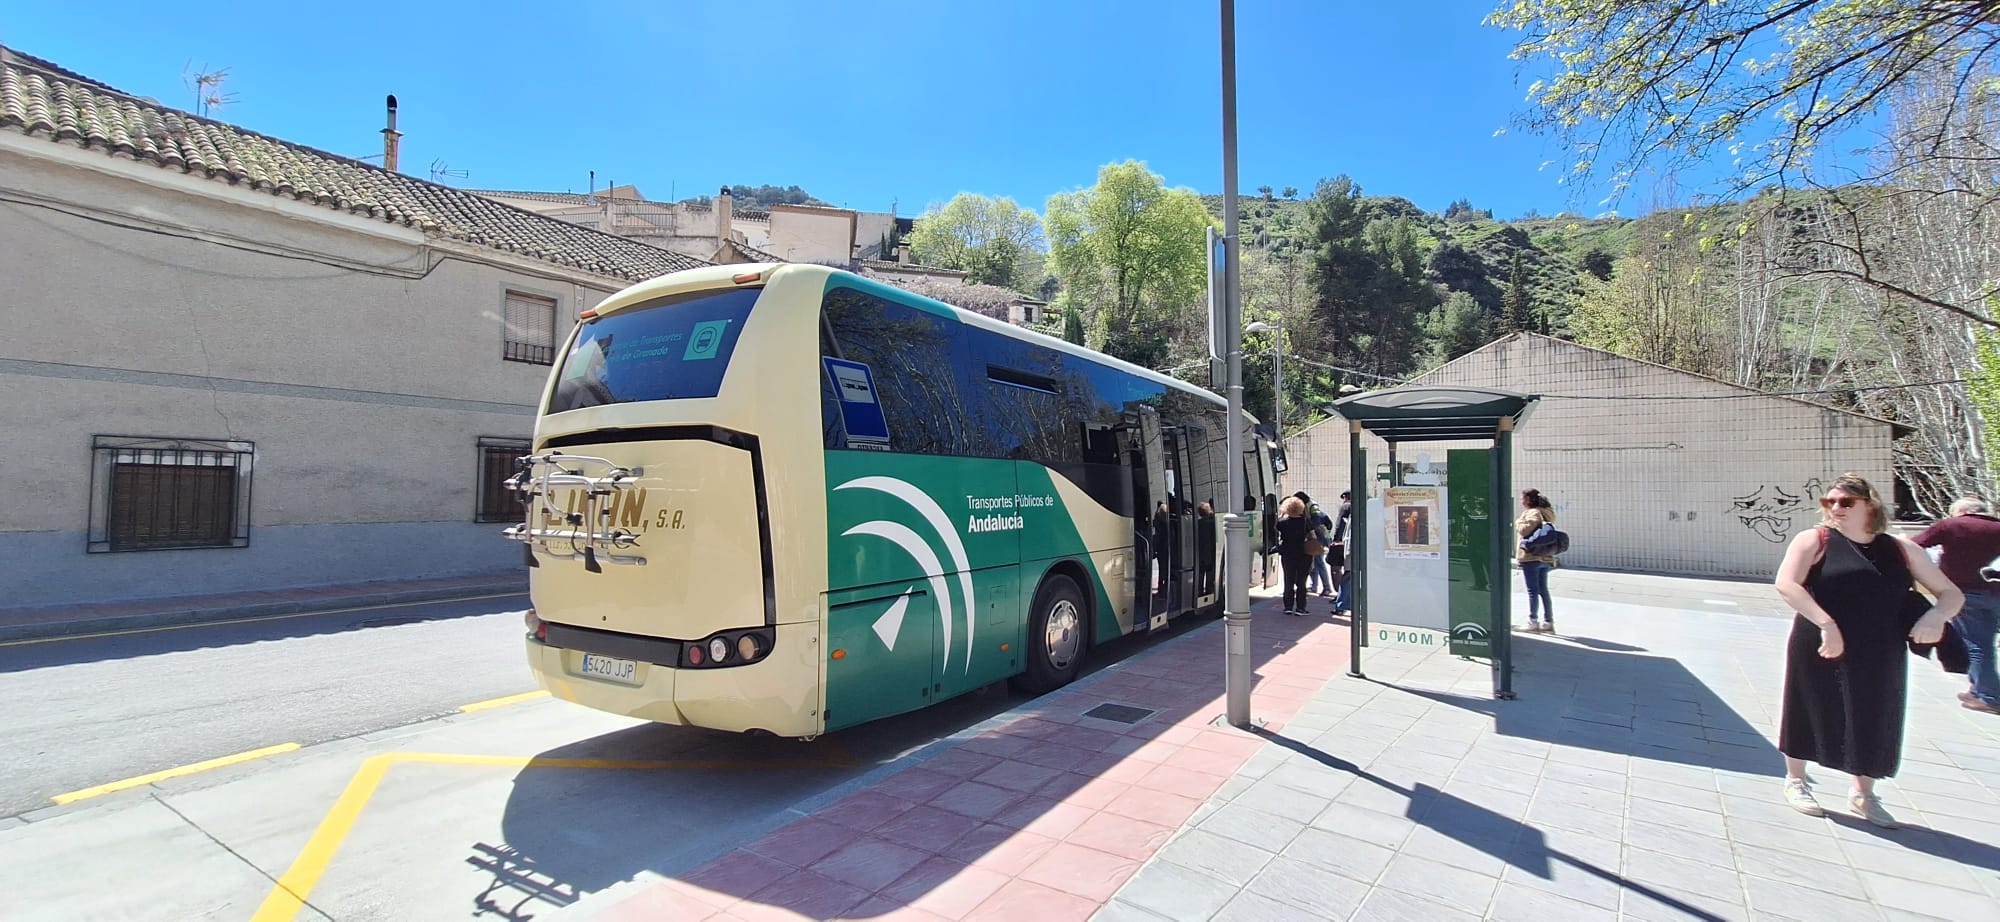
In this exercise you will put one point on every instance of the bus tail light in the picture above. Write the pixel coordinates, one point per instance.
(747, 277)
(728, 648)
(536, 625)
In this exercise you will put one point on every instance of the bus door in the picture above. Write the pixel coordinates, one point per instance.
(1180, 576)
(1151, 517)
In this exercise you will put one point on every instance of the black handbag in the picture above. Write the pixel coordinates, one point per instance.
(1951, 653)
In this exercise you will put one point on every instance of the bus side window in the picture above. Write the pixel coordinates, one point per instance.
(914, 357)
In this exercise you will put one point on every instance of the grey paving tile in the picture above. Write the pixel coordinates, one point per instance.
(1121, 911)
(1679, 794)
(1391, 906)
(1560, 774)
(1770, 896)
(1670, 814)
(1254, 827)
(1942, 902)
(1477, 771)
(1510, 804)
(1309, 888)
(1597, 799)
(1371, 826)
(1911, 864)
(1176, 892)
(1308, 776)
(1443, 883)
(1836, 878)
(1805, 836)
(1579, 817)
(1658, 870)
(1254, 907)
(1339, 854)
(1700, 777)
(1682, 843)
(1516, 903)
(1770, 809)
(1289, 802)
(1653, 904)
(1614, 762)
(1485, 854)
(1370, 796)
(1226, 860)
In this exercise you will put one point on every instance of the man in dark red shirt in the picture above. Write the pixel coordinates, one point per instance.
(1968, 541)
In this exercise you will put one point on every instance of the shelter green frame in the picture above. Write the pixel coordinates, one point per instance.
(1434, 413)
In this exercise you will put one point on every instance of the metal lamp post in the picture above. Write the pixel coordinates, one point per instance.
(1236, 525)
(1277, 374)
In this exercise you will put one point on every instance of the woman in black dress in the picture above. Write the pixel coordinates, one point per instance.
(1844, 667)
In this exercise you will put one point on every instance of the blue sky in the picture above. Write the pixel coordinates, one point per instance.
(863, 105)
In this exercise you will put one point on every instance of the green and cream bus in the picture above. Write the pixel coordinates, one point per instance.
(789, 499)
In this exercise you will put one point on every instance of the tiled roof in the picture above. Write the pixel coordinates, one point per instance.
(47, 102)
(567, 198)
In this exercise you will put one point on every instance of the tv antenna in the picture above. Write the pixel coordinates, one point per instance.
(441, 171)
(207, 86)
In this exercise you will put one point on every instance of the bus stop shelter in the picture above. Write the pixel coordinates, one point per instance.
(1445, 544)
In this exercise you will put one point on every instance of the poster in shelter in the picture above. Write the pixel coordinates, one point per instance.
(1413, 524)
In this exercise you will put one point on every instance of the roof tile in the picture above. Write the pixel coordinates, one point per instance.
(39, 99)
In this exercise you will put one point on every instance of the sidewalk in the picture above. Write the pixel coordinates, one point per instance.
(1635, 778)
(61, 620)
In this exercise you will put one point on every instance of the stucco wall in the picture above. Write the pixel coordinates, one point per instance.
(811, 237)
(362, 362)
(1712, 486)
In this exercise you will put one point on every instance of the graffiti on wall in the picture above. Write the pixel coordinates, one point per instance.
(1771, 511)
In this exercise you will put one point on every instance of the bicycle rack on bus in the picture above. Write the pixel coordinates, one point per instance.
(585, 534)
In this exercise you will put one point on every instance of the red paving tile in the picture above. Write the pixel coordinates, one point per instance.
(1084, 872)
(1027, 901)
(1040, 820)
(864, 811)
(928, 828)
(1121, 835)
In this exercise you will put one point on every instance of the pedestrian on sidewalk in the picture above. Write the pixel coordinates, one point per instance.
(1319, 540)
(1967, 542)
(1292, 528)
(1536, 511)
(1338, 556)
(1845, 671)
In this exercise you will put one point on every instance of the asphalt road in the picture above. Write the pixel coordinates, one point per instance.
(89, 711)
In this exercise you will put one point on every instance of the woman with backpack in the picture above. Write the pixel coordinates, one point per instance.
(1318, 539)
(1536, 512)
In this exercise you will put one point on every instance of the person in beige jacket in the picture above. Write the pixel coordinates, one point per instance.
(1536, 512)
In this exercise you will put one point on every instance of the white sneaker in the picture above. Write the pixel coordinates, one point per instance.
(1799, 797)
(1869, 807)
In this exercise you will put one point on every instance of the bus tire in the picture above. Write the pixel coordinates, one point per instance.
(1058, 636)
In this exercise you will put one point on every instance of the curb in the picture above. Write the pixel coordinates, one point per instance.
(192, 614)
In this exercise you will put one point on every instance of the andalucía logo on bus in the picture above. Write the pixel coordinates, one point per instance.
(998, 511)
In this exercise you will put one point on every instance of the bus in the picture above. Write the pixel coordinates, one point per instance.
(789, 499)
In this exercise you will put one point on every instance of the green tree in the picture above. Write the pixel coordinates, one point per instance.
(1456, 327)
(987, 238)
(1073, 325)
(1517, 312)
(1291, 192)
(1131, 249)
(1264, 191)
(1369, 285)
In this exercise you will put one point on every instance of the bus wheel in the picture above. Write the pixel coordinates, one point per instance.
(1058, 637)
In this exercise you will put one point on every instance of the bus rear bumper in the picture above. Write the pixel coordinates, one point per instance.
(779, 695)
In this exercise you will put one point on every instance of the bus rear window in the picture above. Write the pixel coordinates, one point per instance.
(674, 348)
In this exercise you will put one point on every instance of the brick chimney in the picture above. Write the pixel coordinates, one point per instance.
(725, 207)
(391, 139)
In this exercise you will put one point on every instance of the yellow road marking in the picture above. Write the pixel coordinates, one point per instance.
(257, 620)
(502, 702)
(292, 889)
(143, 780)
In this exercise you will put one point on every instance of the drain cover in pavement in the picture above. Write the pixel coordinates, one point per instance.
(1124, 714)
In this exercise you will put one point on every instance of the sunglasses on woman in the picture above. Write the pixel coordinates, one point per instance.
(1844, 502)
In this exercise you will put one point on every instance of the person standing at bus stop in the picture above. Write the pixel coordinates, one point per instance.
(1967, 542)
(1292, 528)
(1536, 511)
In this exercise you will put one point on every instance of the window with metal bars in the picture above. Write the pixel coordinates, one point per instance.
(531, 329)
(496, 464)
(149, 494)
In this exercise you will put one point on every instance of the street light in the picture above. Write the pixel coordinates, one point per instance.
(1277, 375)
(1236, 526)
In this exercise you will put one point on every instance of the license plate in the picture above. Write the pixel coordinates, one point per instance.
(623, 671)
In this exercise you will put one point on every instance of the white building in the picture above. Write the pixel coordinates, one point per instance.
(719, 231)
(1650, 468)
(236, 363)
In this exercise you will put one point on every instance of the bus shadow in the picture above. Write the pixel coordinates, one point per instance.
(860, 822)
